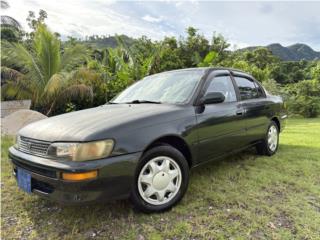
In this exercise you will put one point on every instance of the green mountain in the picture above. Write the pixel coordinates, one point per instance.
(294, 52)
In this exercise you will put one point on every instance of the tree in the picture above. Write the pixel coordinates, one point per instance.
(315, 71)
(10, 28)
(34, 22)
(304, 98)
(219, 45)
(209, 59)
(43, 68)
(260, 57)
(194, 48)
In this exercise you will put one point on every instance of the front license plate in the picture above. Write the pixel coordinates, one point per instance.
(24, 180)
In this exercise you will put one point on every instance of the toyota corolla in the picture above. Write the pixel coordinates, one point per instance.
(144, 142)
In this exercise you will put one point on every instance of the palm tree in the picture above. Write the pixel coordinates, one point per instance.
(44, 70)
(10, 28)
(7, 21)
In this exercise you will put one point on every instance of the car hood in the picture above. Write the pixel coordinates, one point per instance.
(86, 125)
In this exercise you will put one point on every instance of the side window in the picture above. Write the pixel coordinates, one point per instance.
(224, 85)
(246, 87)
(259, 90)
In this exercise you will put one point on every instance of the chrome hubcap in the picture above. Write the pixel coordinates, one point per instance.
(272, 138)
(159, 180)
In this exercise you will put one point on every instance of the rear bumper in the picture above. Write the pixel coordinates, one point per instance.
(114, 181)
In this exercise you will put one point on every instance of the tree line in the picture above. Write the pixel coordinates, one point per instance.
(63, 76)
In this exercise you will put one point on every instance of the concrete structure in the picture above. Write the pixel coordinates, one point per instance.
(12, 123)
(8, 107)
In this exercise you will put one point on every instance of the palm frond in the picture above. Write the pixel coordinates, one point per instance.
(47, 50)
(76, 91)
(15, 54)
(74, 55)
(56, 83)
(126, 51)
(16, 90)
(9, 74)
(7, 21)
(73, 92)
(83, 76)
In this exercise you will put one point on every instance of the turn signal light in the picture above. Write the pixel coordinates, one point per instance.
(80, 176)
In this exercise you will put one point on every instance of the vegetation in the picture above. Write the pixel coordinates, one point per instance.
(241, 197)
(61, 76)
(296, 52)
(10, 28)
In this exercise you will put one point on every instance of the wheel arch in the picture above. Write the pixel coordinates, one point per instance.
(175, 141)
(276, 120)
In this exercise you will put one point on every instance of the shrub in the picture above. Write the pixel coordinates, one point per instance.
(304, 98)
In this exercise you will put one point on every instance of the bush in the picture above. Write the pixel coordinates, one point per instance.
(272, 87)
(304, 98)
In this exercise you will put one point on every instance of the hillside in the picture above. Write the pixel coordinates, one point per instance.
(294, 52)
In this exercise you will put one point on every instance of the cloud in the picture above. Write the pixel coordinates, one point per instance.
(243, 23)
(266, 8)
(151, 19)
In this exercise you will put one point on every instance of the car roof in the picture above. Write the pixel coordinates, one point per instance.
(233, 70)
(207, 70)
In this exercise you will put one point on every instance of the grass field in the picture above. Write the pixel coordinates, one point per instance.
(241, 197)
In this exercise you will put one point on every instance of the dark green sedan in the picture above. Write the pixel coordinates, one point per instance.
(144, 142)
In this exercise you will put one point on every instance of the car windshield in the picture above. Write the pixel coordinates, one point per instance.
(174, 87)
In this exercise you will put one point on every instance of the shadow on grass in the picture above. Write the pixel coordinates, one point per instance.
(41, 211)
(123, 208)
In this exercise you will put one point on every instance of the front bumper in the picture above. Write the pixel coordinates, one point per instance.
(114, 181)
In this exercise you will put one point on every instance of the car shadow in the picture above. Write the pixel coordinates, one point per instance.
(123, 208)
(41, 211)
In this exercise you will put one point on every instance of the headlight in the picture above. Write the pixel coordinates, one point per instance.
(81, 151)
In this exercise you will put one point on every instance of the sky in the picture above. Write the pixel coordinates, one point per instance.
(241, 23)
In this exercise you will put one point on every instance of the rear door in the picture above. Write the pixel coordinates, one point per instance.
(220, 125)
(255, 105)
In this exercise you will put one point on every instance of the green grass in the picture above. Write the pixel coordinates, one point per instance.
(241, 197)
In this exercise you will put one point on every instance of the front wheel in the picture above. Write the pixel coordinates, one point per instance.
(269, 145)
(161, 179)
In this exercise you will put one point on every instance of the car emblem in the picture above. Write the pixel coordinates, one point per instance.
(29, 146)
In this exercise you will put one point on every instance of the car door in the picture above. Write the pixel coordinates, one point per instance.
(255, 105)
(220, 125)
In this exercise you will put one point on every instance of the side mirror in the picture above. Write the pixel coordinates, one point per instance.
(213, 97)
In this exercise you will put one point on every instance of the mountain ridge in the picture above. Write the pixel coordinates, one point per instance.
(294, 52)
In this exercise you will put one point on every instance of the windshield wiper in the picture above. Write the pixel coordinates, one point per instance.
(143, 101)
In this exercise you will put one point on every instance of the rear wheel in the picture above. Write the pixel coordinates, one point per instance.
(269, 145)
(161, 179)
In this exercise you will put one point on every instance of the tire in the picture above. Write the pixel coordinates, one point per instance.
(270, 143)
(164, 171)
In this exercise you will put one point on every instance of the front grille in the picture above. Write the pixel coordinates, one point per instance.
(34, 147)
(18, 162)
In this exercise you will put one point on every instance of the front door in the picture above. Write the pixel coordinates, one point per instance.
(220, 125)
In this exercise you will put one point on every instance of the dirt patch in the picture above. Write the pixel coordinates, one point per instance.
(283, 220)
